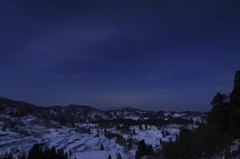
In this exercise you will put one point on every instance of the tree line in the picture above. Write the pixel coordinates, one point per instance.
(213, 138)
(37, 152)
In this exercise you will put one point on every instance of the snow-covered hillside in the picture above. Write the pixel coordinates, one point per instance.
(81, 131)
(84, 145)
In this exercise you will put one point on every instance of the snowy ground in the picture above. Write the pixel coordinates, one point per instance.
(87, 146)
(84, 146)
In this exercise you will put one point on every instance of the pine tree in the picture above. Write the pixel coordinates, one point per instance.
(8, 156)
(102, 147)
(119, 156)
(218, 116)
(22, 156)
(4, 128)
(129, 145)
(235, 106)
(137, 155)
(109, 157)
(134, 133)
(177, 137)
(160, 141)
(150, 149)
(36, 152)
(235, 94)
(167, 133)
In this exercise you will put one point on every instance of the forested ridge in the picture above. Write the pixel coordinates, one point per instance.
(212, 139)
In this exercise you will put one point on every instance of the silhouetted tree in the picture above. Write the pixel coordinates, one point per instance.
(102, 147)
(213, 138)
(23, 156)
(167, 133)
(119, 156)
(3, 127)
(36, 152)
(8, 156)
(134, 133)
(219, 115)
(143, 149)
(160, 141)
(235, 106)
(235, 94)
(129, 145)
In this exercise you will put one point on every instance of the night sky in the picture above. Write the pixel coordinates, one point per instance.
(145, 54)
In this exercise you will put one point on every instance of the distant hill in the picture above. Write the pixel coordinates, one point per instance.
(79, 113)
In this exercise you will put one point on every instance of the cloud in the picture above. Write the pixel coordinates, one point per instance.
(69, 43)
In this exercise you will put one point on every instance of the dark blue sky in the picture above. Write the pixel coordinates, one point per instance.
(146, 54)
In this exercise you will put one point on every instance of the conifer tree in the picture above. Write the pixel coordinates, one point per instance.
(150, 149)
(119, 156)
(8, 156)
(129, 145)
(22, 156)
(36, 152)
(134, 133)
(102, 147)
(160, 141)
(3, 128)
(235, 106)
(137, 155)
(219, 114)
(235, 94)
(143, 149)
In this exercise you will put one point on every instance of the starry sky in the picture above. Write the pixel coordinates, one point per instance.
(146, 54)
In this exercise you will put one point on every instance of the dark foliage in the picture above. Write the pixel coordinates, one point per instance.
(130, 145)
(102, 147)
(36, 152)
(119, 156)
(143, 149)
(234, 109)
(8, 156)
(156, 122)
(213, 138)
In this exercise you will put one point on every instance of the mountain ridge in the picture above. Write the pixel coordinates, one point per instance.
(68, 115)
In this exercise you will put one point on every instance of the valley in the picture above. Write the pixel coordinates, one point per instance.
(84, 132)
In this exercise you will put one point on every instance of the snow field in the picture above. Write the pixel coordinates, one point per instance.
(86, 146)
